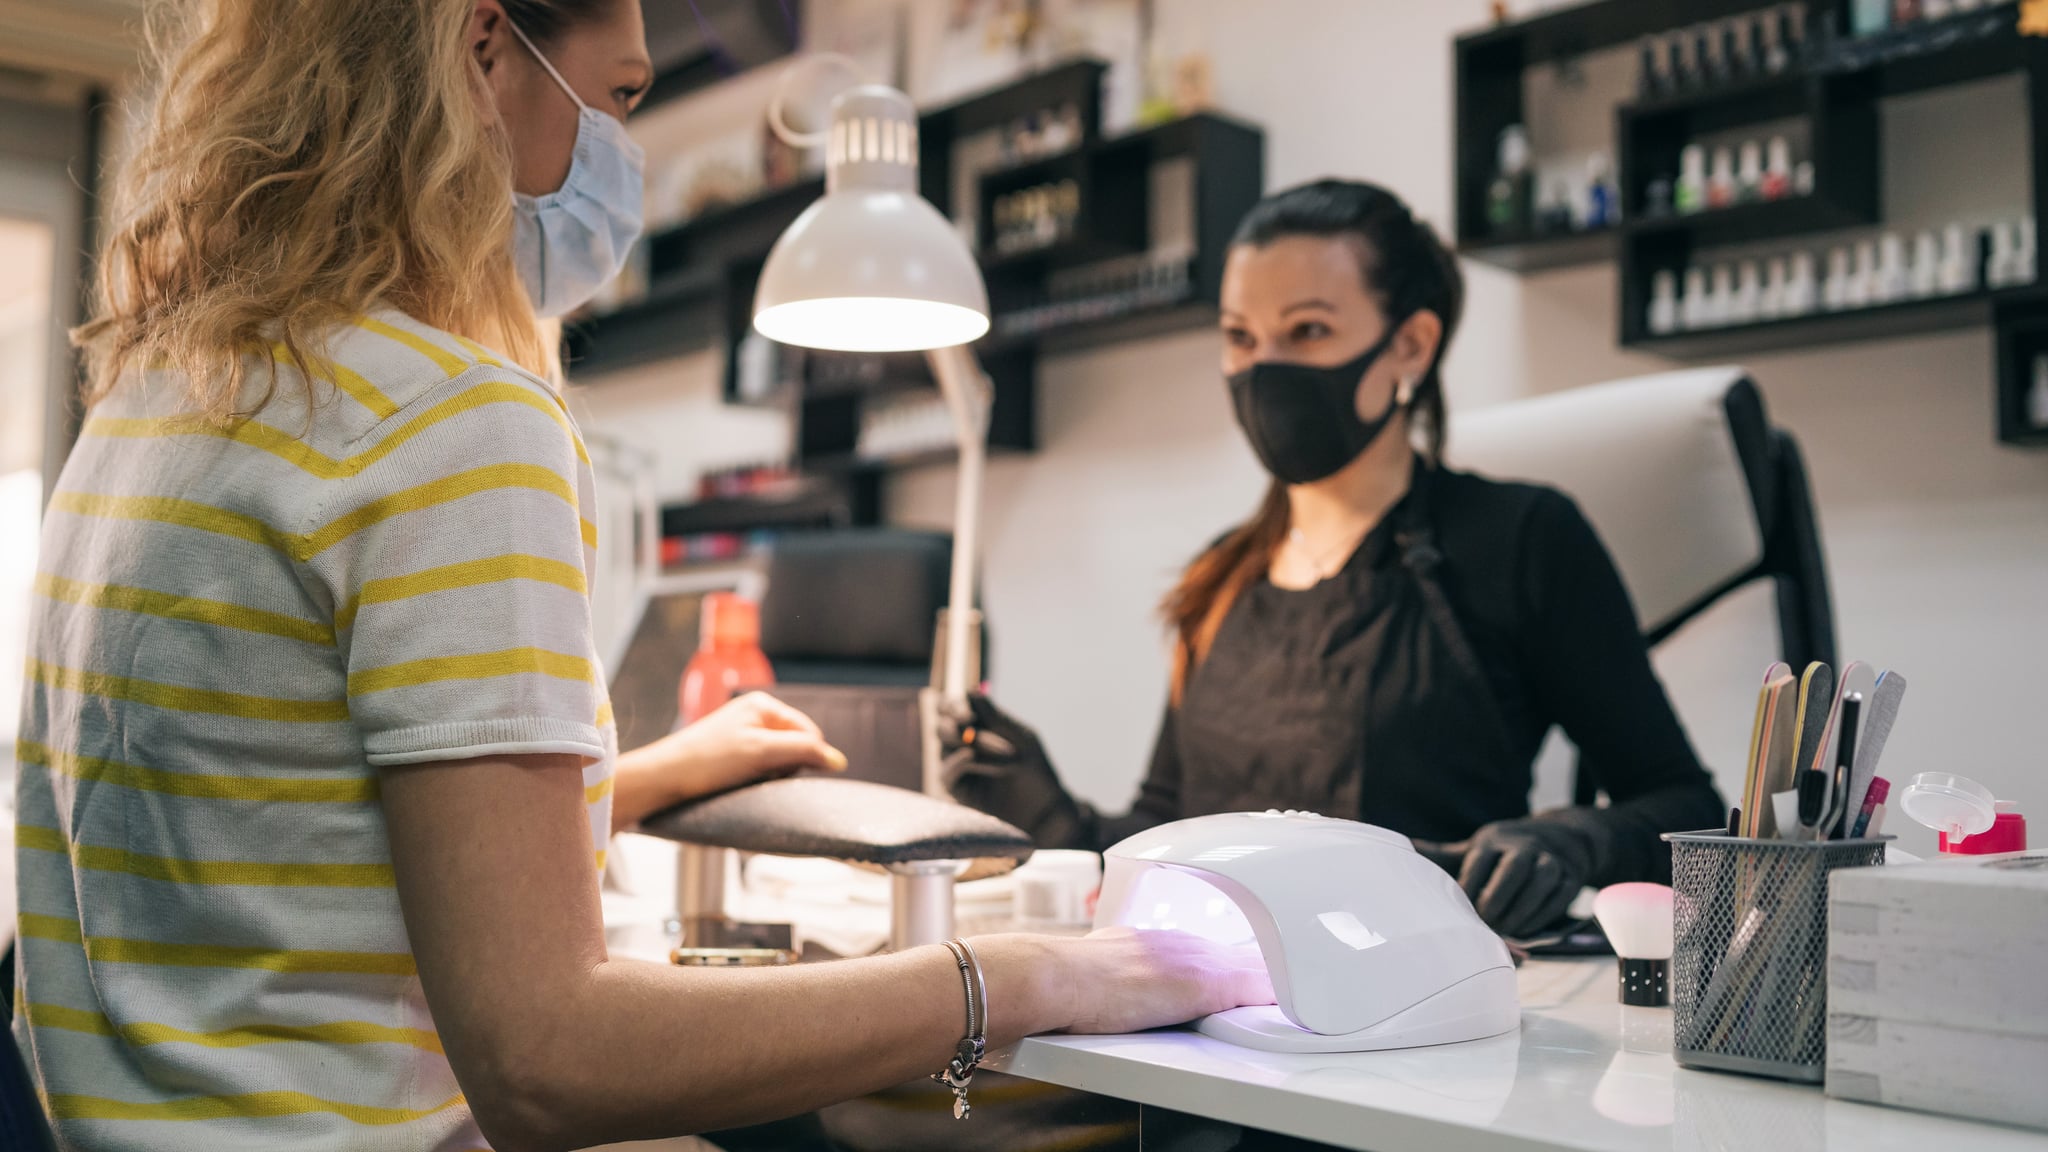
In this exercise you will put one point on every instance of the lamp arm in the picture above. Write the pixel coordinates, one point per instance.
(966, 392)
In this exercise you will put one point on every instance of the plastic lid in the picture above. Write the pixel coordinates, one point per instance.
(1955, 806)
(730, 621)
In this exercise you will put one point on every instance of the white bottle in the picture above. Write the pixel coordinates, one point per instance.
(2037, 396)
(1691, 193)
(1749, 293)
(1998, 270)
(1834, 293)
(1926, 265)
(1958, 260)
(1692, 312)
(1721, 185)
(1891, 283)
(1778, 169)
(1664, 302)
(1771, 305)
(1721, 302)
(1802, 178)
(1802, 287)
(1749, 172)
(1863, 280)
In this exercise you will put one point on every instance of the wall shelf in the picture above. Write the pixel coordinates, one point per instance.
(1832, 96)
(808, 503)
(1542, 253)
(1816, 329)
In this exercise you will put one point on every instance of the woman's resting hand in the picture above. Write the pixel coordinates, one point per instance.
(755, 737)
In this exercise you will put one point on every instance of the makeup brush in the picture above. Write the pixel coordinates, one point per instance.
(1637, 920)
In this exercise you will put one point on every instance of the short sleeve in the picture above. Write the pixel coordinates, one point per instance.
(456, 566)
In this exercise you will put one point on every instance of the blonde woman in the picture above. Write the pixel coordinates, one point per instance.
(317, 762)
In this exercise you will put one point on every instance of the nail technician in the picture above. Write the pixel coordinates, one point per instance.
(1386, 638)
(316, 754)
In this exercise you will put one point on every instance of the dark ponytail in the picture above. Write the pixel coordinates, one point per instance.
(1408, 270)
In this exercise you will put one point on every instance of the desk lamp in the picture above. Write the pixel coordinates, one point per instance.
(872, 267)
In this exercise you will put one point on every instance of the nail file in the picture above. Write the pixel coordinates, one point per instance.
(1770, 746)
(1857, 678)
(1880, 710)
(1816, 696)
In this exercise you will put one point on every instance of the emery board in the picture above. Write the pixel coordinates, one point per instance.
(1753, 765)
(1880, 711)
(1771, 748)
(1816, 696)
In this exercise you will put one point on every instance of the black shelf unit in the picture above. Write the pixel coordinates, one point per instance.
(702, 274)
(851, 499)
(1834, 90)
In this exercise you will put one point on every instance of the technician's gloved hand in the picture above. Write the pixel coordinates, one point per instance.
(1522, 875)
(995, 764)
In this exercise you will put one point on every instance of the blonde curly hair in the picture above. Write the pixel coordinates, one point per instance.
(303, 162)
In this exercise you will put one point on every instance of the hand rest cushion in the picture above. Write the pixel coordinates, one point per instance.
(844, 820)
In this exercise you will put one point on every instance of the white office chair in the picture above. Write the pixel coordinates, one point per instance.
(1693, 491)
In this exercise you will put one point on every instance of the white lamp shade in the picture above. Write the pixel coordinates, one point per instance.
(871, 270)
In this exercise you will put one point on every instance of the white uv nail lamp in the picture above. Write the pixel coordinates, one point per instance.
(1369, 945)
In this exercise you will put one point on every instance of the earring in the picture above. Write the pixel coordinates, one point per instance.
(1405, 391)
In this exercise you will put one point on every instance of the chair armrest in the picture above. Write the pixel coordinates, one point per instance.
(851, 820)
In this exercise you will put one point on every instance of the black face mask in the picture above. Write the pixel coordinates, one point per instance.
(1303, 420)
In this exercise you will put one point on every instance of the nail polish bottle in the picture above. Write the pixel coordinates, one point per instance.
(1692, 179)
(1892, 283)
(1651, 83)
(1602, 207)
(1713, 69)
(1936, 9)
(1834, 292)
(1778, 55)
(1863, 279)
(1998, 270)
(1802, 288)
(1777, 178)
(1736, 55)
(1657, 201)
(1721, 185)
(1744, 306)
(1679, 71)
(1958, 260)
(1663, 302)
(1802, 178)
(1771, 304)
(1721, 302)
(1749, 173)
(1926, 265)
(1905, 12)
(1693, 310)
(1869, 17)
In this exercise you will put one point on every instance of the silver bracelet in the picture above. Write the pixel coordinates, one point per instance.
(959, 1071)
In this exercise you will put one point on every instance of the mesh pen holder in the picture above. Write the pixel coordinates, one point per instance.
(1749, 952)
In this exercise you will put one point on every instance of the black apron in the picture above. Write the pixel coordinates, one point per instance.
(1360, 697)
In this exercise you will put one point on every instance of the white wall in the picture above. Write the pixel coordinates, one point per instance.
(1937, 537)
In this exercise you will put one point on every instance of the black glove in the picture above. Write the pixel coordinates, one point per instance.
(997, 765)
(1523, 874)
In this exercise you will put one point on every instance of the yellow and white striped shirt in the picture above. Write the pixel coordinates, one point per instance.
(234, 627)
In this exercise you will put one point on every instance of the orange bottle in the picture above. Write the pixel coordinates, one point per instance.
(728, 658)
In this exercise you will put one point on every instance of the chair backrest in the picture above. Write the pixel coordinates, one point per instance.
(1692, 490)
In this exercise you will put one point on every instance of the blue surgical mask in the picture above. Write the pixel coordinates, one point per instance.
(570, 242)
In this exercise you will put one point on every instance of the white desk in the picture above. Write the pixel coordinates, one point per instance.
(1583, 1074)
